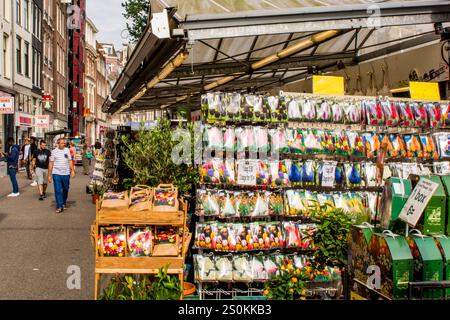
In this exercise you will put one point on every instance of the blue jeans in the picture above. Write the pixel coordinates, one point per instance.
(12, 175)
(61, 184)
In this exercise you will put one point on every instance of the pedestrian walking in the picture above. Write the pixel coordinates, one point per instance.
(25, 156)
(33, 148)
(73, 152)
(40, 162)
(60, 169)
(13, 166)
(86, 156)
(98, 148)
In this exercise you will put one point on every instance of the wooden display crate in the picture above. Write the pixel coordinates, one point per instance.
(140, 265)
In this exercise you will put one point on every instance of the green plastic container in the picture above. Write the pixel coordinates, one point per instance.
(443, 244)
(428, 263)
(395, 194)
(446, 184)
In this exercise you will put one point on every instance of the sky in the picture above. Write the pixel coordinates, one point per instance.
(107, 17)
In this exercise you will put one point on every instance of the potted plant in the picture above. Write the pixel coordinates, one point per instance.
(97, 192)
(165, 286)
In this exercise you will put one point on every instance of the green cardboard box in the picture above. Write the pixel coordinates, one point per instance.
(395, 194)
(433, 219)
(443, 244)
(446, 184)
(428, 265)
(391, 253)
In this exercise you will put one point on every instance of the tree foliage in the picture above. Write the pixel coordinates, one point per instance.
(136, 12)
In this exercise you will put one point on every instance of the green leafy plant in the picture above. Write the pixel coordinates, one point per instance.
(137, 12)
(331, 238)
(285, 286)
(149, 156)
(166, 287)
(98, 189)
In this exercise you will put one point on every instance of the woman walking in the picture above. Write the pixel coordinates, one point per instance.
(86, 155)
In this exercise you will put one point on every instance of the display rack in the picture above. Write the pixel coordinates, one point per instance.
(140, 265)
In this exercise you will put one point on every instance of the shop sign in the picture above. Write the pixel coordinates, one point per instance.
(417, 201)
(24, 120)
(247, 173)
(328, 85)
(42, 121)
(6, 105)
(424, 90)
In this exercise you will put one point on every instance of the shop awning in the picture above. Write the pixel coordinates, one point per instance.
(260, 45)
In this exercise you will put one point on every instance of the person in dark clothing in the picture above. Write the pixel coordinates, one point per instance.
(32, 150)
(13, 166)
(41, 159)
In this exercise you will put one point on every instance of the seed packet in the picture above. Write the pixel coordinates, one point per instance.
(232, 106)
(278, 108)
(242, 270)
(213, 138)
(278, 141)
(406, 114)
(274, 239)
(353, 174)
(295, 203)
(313, 203)
(445, 111)
(352, 202)
(293, 109)
(312, 141)
(246, 203)
(270, 265)
(420, 114)
(214, 102)
(295, 141)
(261, 206)
(370, 174)
(229, 139)
(308, 173)
(261, 135)
(276, 207)
(326, 202)
(229, 173)
(323, 111)
(413, 145)
(207, 203)
(205, 268)
(229, 204)
(429, 150)
(139, 241)
(441, 168)
(435, 115)
(205, 235)
(372, 143)
(356, 144)
(352, 111)
(342, 143)
(262, 174)
(261, 111)
(212, 171)
(395, 145)
(443, 144)
(372, 204)
(259, 234)
(247, 171)
(259, 273)
(291, 234)
(374, 112)
(245, 138)
(225, 239)
(224, 268)
(306, 232)
(391, 112)
(337, 112)
(247, 105)
(278, 174)
(320, 171)
(328, 142)
(114, 241)
(295, 176)
(243, 237)
(309, 110)
(339, 175)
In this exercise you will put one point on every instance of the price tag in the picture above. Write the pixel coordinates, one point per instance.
(247, 174)
(328, 175)
(417, 201)
(328, 85)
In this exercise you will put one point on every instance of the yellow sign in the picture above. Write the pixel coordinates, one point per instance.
(355, 296)
(424, 90)
(328, 85)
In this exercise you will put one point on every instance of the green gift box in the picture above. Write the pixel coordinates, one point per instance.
(395, 194)
(446, 184)
(428, 264)
(390, 252)
(443, 244)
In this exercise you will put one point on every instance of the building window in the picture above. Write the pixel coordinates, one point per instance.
(19, 55)
(6, 57)
(18, 12)
(27, 59)
(33, 65)
(26, 14)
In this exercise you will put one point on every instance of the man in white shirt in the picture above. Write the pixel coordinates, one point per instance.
(60, 169)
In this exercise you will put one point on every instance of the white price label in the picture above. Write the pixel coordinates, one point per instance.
(328, 175)
(417, 201)
(247, 174)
